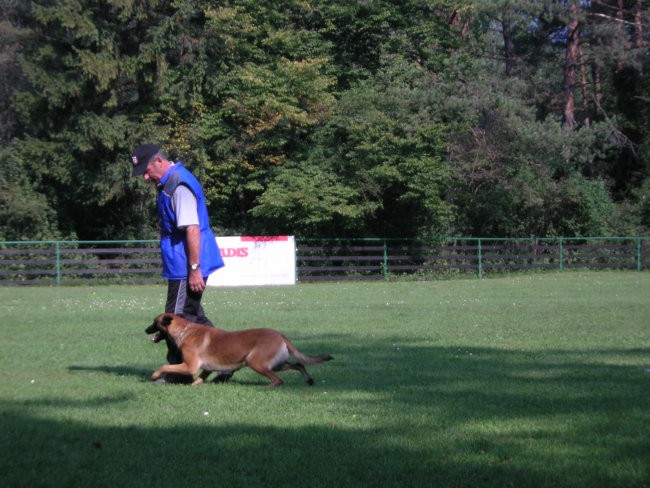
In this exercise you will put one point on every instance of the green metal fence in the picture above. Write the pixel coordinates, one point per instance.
(74, 262)
(336, 259)
(57, 262)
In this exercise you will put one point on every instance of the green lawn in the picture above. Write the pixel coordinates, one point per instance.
(536, 380)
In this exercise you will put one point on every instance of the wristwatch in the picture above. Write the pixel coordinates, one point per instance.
(194, 267)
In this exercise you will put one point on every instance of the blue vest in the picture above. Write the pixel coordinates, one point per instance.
(172, 240)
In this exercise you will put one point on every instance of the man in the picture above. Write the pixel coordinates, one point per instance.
(187, 244)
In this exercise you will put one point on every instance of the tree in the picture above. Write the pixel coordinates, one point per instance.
(516, 172)
(261, 86)
(333, 117)
(571, 63)
(379, 159)
(87, 70)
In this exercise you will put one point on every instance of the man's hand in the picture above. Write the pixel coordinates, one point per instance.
(196, 281)
(195, 277)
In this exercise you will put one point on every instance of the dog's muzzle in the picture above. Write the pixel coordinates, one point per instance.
(152, 329)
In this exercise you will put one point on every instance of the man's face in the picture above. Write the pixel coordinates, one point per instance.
(156, 169)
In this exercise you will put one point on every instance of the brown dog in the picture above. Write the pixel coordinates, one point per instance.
(210, 349)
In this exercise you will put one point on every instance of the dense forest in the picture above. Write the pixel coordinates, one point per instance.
(329, 118)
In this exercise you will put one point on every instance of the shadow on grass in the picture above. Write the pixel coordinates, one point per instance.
(141, 373)
(526, 382)
(70, 454)
(474, 417)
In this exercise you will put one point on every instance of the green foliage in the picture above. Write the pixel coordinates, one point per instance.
(310, 199)
(383, 148)
(87, 73)
(262, 86)
(28, 198)
(519, 173)
(25, 214)
(330, 118)
(632, 216)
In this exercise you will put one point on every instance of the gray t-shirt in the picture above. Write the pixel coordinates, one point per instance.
(184, 206)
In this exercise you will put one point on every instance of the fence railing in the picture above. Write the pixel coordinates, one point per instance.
(67, 262)
(385, 258)
(73, 262)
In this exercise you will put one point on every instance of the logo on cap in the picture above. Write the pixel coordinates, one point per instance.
(135, 160)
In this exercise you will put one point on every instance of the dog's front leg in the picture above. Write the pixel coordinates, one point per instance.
(202, 377)
(156, 374)
(182, 368)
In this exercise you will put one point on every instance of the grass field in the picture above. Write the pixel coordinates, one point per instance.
(526, 381)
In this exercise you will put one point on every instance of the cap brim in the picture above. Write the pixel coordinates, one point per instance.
(139, 170)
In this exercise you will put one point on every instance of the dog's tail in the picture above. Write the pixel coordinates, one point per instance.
(305, 359)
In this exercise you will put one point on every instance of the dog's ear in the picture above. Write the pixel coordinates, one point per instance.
(166, 320)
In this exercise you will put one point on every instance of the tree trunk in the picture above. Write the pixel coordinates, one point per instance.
(638, 25)
(455, 19)
(639, 42)
(621, 34)
(508, 45)
(583, 87)
(598, 92)
(571, 61)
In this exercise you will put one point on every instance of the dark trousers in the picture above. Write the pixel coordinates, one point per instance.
(186, 303)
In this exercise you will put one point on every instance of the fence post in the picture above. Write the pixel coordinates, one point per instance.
(385, 270)
(638, 254)
(57, 247)
(561, 254)
(295, 255)
(480, 260)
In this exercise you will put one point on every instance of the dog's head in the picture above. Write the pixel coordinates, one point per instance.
(159, 326)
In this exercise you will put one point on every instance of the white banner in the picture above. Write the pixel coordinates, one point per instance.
(251, 261)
